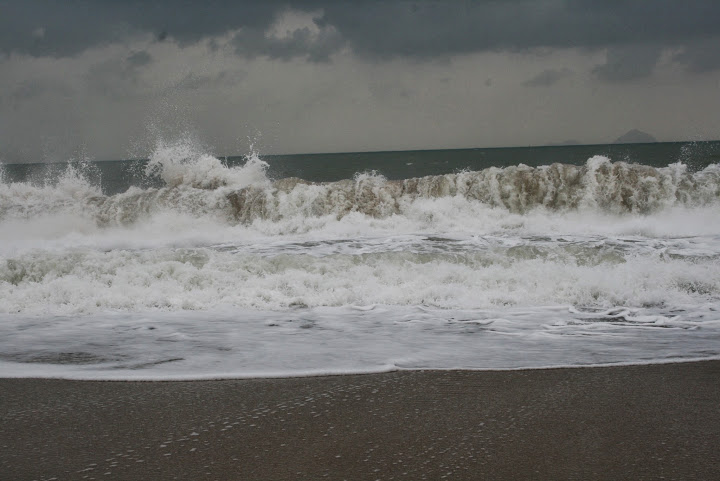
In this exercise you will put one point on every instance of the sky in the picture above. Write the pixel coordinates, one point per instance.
(106, 79)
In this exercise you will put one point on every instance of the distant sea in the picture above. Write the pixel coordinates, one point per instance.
(190, 266)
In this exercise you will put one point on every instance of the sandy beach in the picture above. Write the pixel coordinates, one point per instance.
(634, 422)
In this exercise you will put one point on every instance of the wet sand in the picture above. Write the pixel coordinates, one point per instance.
(637, 422)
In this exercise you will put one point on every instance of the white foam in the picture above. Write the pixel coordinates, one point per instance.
(223, 273)
(232, 343)
(82, 281)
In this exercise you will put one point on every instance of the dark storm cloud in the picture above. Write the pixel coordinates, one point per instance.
(427, 29)
(547, 78)
(381, 29)
(628, 63)
(58, 29)
(701, 56)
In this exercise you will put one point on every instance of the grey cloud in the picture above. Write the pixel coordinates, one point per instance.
(703, 56)
(389, 91)
(302, 42)
(225, 78)
(28, 89)
(118, 77)
(193, 82)
(139, 59)
(634, 31)
(628, 63)
(32, 88)
(547, 78)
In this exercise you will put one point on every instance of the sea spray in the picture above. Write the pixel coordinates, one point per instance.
(182, 164)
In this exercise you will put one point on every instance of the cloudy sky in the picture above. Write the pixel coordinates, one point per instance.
(106, 78)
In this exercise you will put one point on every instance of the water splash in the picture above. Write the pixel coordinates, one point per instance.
(182, 163)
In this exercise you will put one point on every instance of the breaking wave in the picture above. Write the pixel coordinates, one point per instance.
(201, 268)
(217, 234)
(202, 186)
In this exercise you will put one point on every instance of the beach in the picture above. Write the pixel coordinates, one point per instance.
(657, 421)
(196, 318)
(375, 241)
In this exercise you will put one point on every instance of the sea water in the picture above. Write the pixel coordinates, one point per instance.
(190, 266)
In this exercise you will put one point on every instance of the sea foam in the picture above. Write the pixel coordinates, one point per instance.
(223, 271)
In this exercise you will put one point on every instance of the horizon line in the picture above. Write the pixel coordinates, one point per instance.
(557, 145)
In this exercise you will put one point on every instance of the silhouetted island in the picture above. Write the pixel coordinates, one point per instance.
(635, 136)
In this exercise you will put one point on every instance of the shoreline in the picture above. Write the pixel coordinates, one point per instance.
(324, 374)
(642, 421)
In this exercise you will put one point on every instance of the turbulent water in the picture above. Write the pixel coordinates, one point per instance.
(200, 269)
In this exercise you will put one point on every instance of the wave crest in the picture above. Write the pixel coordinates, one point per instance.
(200, 185)
(599, 185)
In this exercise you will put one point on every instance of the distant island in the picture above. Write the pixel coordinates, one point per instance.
(635, 136)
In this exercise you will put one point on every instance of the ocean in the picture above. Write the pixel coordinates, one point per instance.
(190, 266)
